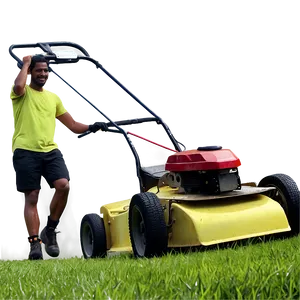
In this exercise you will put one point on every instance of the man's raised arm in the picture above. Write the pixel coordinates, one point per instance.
(20, 81)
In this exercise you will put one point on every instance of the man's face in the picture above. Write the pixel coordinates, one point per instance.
(39, 74)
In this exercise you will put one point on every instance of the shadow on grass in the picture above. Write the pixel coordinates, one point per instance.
(228, 245)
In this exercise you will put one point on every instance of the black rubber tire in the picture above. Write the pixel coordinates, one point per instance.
(92, 236)
(287, 195)
(147, 226)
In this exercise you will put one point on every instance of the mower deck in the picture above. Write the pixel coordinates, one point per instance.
(223, 220)
(193, 219)
(167, 193)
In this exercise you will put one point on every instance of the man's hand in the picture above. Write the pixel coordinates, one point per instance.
(96, 126)
(27, 60)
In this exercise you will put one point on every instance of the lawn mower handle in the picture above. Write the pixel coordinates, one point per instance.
(124, 122)
(47, 46)
(84, 135)
(43, 45)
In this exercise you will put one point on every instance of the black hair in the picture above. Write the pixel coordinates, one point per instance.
(37, 58)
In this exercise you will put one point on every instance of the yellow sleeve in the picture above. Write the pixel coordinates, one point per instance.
(60, 110)
(13, 95)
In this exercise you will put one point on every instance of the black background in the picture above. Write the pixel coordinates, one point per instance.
(213, 83)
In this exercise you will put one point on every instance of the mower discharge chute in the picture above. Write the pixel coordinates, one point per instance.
(194, 198)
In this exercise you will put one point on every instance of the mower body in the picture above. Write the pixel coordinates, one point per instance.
(203, 201)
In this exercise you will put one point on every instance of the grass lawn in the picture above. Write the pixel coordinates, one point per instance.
(263, 270)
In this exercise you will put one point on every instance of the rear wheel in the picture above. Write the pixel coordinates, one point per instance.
(287, 195)
(92, 236)
(147, 227)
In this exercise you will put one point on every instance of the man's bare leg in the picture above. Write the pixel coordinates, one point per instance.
(60, 198)
(57, 207)
(33, 223)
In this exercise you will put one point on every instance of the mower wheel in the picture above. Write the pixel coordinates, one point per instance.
(92, 236)
(287, 195)
(147, 226)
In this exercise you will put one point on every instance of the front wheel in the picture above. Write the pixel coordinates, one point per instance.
(147, 226)
(287, 194)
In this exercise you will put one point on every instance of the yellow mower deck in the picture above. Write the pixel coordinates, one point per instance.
(201, 219)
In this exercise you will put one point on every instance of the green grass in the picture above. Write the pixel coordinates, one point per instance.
(264, 270)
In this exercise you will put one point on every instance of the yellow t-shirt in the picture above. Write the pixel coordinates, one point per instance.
(34, 118)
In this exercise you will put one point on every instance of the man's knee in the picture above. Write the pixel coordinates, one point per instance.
(62, 185)
(32, 196)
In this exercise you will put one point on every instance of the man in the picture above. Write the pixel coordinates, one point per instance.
(35, 153)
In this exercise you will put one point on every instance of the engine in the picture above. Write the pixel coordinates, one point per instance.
(210, 170)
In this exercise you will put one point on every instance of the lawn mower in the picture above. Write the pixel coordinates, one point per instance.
(195, 198)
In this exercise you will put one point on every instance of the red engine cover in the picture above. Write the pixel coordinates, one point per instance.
(195, 160)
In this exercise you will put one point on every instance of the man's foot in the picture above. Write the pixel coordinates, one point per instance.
(35, 250)
(48, 236)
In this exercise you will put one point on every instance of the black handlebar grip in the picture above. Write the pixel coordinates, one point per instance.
(84, 134)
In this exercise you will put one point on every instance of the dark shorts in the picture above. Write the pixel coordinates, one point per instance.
(30, 166)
